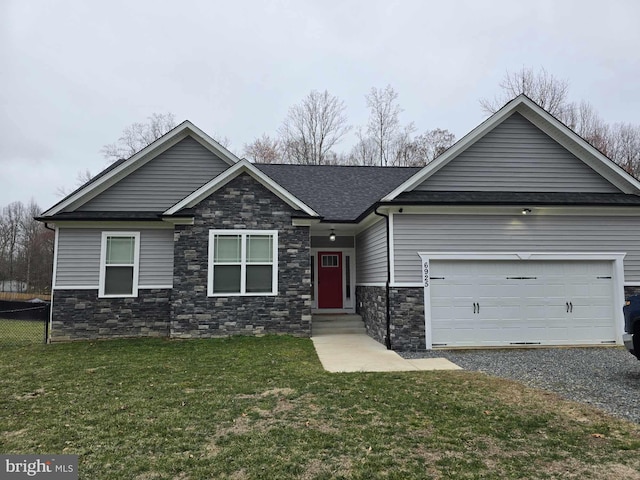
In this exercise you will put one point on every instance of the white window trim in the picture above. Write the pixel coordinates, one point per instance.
(243, 263)
(103, 263)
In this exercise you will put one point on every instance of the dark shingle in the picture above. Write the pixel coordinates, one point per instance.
(517, 198)
(338, 193)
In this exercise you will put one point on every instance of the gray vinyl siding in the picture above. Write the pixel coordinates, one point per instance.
(517, 156)
(505, 233)
(163, 181)
(324, 242)
(79, 257)
(156, 257)
(371, 254)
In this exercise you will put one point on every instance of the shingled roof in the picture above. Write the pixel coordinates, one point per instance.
(339, 193)
(418, 197)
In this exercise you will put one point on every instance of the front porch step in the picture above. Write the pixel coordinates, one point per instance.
(337, 325)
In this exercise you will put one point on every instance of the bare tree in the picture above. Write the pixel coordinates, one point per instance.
(364, 152)
(620, 142)
(384, 122)
(586, 122)
(26, 248)
(138, 135)
(313, 128)
(12, 221)
(540, 86)
(82, 177)
(427, 146)
(625, 147)
(263, 150)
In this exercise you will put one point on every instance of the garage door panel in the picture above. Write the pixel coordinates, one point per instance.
(546, 302)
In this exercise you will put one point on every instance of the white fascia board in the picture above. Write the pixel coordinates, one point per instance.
(145, 155)
(243, 166)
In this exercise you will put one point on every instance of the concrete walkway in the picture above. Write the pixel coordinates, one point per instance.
(361, 353)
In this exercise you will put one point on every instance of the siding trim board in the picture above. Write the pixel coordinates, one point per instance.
(616, 258)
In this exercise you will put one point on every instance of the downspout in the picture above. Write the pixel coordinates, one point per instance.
(388, 282)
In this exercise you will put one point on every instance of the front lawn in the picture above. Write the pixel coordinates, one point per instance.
(264, 408)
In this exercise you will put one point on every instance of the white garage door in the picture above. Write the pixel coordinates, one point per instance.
(504, 303)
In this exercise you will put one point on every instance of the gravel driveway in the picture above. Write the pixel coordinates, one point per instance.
(606, 378)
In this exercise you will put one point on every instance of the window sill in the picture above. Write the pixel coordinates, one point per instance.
(118, 296)
(266, 294)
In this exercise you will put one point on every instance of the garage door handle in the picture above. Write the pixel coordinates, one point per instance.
(571, 307)
(478, 307)
(474, 307)
(567, 304)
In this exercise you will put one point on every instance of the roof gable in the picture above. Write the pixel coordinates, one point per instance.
(121, 169)
(160, 183)
(516, 156)
(243, 166)
(545, 123)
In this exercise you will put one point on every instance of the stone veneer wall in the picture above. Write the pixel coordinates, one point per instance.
(241, 204)
(371, 306)
(406, 307)
(81, 315)
(629, 291)
(407, 318)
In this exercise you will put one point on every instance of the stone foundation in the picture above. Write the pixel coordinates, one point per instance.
(406, 307)
(81, 315)
(407, 319)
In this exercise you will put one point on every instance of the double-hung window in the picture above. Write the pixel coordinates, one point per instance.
(243, 262)
(119, 262)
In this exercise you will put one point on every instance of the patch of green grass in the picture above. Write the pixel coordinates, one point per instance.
(264, 408)
(20, 332)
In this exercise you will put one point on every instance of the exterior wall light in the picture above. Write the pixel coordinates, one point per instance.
(332, 236)
(526, 211)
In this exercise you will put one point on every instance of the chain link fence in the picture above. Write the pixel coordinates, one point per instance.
(23, 323)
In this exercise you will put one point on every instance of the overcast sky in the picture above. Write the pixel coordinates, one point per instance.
(73, 74)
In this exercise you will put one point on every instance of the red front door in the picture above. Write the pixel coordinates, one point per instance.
(329, 279)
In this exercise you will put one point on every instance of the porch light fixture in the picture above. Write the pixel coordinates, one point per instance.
(526, 211)
(332, 236)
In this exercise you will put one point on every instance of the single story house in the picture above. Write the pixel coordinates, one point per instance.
(522, 233)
